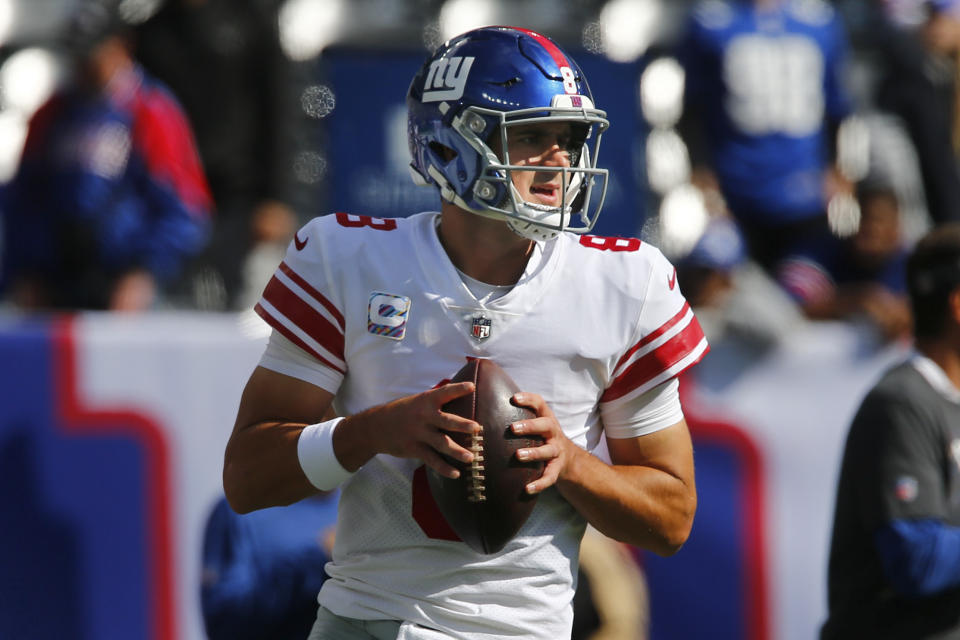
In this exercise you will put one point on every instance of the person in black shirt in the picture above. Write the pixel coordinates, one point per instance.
(894, 568)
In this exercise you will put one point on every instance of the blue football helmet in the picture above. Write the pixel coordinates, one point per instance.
(480, 84)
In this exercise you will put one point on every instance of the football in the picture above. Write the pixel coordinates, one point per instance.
(488, 504)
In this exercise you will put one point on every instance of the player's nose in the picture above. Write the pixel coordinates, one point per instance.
(555, 155)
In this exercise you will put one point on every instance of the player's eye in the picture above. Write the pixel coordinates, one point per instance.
(527, 138)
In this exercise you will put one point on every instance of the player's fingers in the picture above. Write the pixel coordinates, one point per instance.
(453, 422)
(544, 452)
(534, 401)
(542, 426)
(546, 480)
(436, 462)
(445, 393)
(447, 446)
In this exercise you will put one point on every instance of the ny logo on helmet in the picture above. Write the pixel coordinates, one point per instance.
(447, 78)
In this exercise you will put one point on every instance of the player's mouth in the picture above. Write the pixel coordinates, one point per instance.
(546, 194)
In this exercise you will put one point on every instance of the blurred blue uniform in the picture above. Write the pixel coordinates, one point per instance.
(109, 182)
(766, 83)
(262, 571)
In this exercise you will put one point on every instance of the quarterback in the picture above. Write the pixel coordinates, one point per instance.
(372, 316)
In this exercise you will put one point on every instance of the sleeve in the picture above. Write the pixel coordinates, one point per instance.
(283, 356)
(919, 557)
(903, 476)
(163, 134)
(175, 188)
(838, 102)
(650, 411)
(667, 341)
(301, 304)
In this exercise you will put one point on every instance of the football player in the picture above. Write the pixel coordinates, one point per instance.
(372, 315)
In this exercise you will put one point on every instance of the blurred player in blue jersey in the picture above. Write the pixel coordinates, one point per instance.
(110, 199)
(763, 83)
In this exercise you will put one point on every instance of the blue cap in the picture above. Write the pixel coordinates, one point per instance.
(721, 246)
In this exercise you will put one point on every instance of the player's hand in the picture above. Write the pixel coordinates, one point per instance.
(557, 449)
(414, 426)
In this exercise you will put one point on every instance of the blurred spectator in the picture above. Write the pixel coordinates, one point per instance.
(917, 63)
(223, 59)
(733, 297)
(262, 571)
(863, 275)
(109, 200)
(764, 96)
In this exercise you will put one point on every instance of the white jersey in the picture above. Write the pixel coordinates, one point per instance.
(592, 323)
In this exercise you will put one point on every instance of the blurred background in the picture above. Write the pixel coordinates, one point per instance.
(156, 158)
(301, 103)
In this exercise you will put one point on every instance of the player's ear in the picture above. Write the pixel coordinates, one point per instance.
(445, 152)
(953, 306)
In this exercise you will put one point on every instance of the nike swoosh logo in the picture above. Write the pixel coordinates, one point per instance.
(300, 244)
(671, 281)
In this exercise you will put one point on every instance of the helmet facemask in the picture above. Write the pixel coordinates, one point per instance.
(494, 194)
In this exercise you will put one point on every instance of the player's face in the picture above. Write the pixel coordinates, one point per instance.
(544, 144)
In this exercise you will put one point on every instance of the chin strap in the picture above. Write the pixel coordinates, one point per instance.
(552, 219)
(549, 230)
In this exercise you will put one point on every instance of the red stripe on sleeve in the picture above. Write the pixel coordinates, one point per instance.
(656, 362)
(319, 297)
(292, 337)
(653, 335)
(308, 319)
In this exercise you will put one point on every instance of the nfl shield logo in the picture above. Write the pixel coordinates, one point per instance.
(906, 488)
(481, 328)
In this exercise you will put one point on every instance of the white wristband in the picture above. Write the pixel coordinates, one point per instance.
(317, 459)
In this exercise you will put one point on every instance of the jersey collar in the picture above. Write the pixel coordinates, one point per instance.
(936, 376)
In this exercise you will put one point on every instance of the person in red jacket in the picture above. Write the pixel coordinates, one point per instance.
(110, 200)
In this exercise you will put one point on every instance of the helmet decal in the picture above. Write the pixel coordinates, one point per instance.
(569, 79)
(558, 56)
(446, 78)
